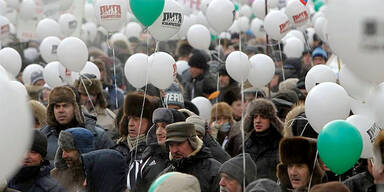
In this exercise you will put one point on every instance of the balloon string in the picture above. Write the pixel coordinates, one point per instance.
(115, 77)
(313, 169)
(240, 47)
(281, 57)
(157, 46)
(86, 91)
(218, 79)
(242, 132)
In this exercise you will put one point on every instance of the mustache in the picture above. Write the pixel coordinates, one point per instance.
(224, 189)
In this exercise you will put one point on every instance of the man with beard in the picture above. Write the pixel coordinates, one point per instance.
(34, 175)
(68, 168)
(188, 155)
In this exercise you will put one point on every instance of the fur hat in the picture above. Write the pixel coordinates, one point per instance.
(378, 147)
(175, 181)
(298, 150)
(33, 91)
(199, 123)
(288, 84)
(132, 107)
(330, 187)
(221, 109)
(62, 94)
(265, 108)
(198, 60)
(94, 87)
(79, 139)
(39, 112)
(234, 168)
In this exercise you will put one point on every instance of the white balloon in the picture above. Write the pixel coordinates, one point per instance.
(3, 7)
(10, 59)
(48, 48)
(238, 65)
(136, 70)
(111, 14)
(362, 108)
(235, 28)
(47, 27)
(246, 10)
(296, 33)
(198, 37)
(243, 23)
(91, 68)
(276, 24)
(364, 54)
(376, 104)
(201, 19)
(168, 23)
(319, 74)
(204, 106)
(261, 71)
(68, 76)
(257, 27)
(204, 5)
(310, 32)
(51, 74)
(181, 66)
(357, 88)
(89, 32)
(68, 24)
(13, 3)
(297, 13)
(73, 53)
(118, 37)
(161, 69)
(133, 29)
(321, 28)
(364, 124)
(65, 4)
(27, 9)
(225, 35)
(4, 27)
(220, 14)
(17, 125)
(293, 47)
(273, 3)
(326, 102)
(28, 72)
(316, 16)
(187, 23)
(258, 7)
(19, 88)
(89, 12)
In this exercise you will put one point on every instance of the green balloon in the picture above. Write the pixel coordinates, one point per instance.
(340, 145)
(147, 11)
(213, 37)
(236, 7)
(318, 4)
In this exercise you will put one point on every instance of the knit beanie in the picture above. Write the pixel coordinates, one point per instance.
(173, 96)
(78, 138)
(319, 52)
(39, 144)
(263, 185)
(198, 122)
(175, 181)
(234, 168)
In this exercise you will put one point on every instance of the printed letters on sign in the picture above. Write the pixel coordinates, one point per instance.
(171, 19)
(300, 17)
(110, 12)
(284, 27)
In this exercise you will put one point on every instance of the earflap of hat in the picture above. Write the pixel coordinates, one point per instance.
(282, 175)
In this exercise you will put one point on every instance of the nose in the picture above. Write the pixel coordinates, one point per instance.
(64, 155)
(131, 122)
(222, 181)
(173, 149)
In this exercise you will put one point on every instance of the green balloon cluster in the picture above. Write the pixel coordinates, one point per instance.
(318, 5)
(340, 145)
(147, 11)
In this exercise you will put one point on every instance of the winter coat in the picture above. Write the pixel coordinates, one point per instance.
(106, 119)
(105, 171)
(71, 179)
(217, 152)
(194, 87)
(362, 182)
(101, 138)
(40, 181)
(110, 95)
(201, 165)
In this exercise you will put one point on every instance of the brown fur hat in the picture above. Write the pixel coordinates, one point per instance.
(330, 187)
(298, 150)
(39, 112)
(132, 107)
(94, 87)
(265, 108)
(33, 91)
(378, 146)
(59, 95)
(221, 109)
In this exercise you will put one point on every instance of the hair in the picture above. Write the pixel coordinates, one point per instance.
(183, 49)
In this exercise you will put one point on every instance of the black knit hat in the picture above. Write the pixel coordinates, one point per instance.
(198, 60)
(39, 144)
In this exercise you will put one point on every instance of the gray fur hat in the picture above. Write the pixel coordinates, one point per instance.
(198, 122)
(79, 139)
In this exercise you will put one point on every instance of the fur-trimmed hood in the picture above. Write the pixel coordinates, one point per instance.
(296, 121)
(221, 109)
(378, 147)
(94, 87)
(39, 112)
(59, 95)
(298, 150)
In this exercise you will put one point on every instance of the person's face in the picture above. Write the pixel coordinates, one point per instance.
(134, 126)
(32, 158)
(161, 133)
(223, 81)
(40, 83)
(228, 184)
(298, 175)
(46, 93)
(84, 100)
(71, 157)
(180, 150)
(318, 60)
(248, 98)
(64, 112)
(221, 120)
(260, 123)
(307, 59)
(237, 108)
(195, 71)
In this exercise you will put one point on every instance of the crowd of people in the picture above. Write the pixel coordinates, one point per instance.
(105, 135)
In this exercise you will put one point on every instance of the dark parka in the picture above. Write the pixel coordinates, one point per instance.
(201, 165)
(362, 182)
